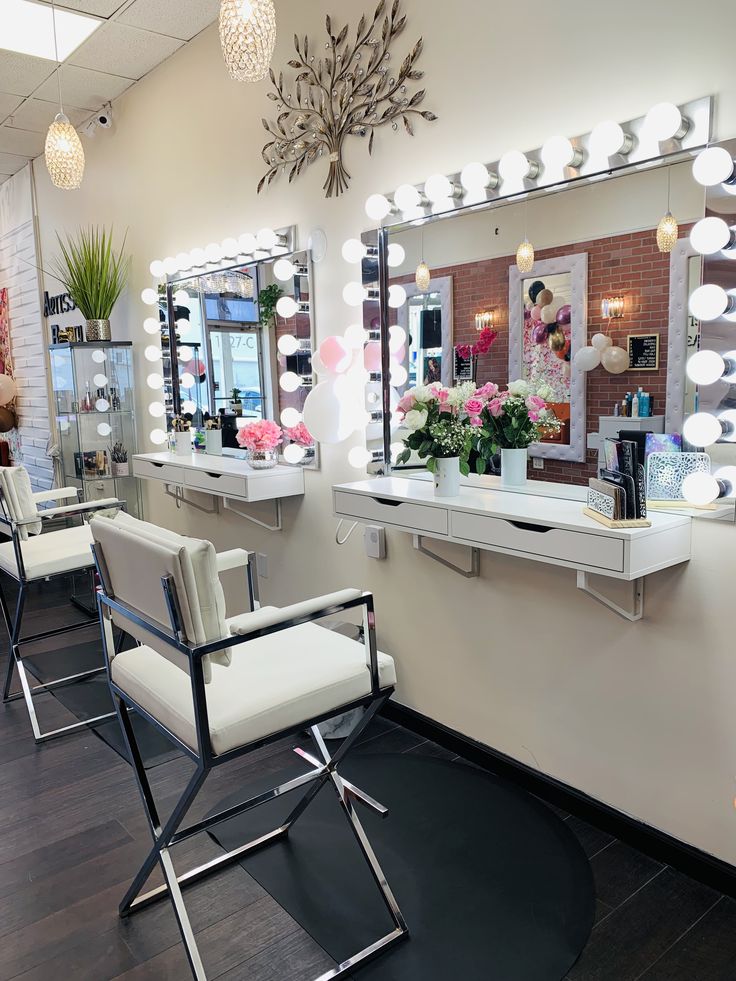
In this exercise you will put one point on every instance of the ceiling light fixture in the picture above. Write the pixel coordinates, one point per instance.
(38, 30)
(248, 37)
(525, 252)
(423, 276)
(63, 149)
(668, 230)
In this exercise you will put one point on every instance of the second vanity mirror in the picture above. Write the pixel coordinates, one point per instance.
(240, 341)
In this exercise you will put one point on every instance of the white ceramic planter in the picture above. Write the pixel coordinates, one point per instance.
(182, 443)
(513, 468)
(447, 477)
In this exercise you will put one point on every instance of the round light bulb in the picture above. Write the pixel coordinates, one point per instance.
(157, 409)
(183, 325)
(104, 428)
(267, 238)
(395, 255)
(152, 353)
(700, 489)
(102, 405)
(247, 243)
(396, 338)
(407, 197)
(284, 270)
(515, 165)
(99, 356)
(181, 298)
(711, 235)
(155, 381)
(287, 307)
(475, 178)
(702, 429)
(288, 344)
(665, 122)
(291, 417)
(187, 380)
(359, 457)
(157, 269)
(183, 262)
(706, 368)
(185, 353)
(558, 152)
(377, 207)
(396, 448)
(188, 407)
(710, 302)
(355, 337)
(213, 252)
(608, 139)
(230, 248)
(170, 266)
(293, 453)
(198, 256)
(354, 294)
(149, 296)
(290, 381)
(353, 251)
(399, 375)
(438, 188)
(158, 437)
(100, 381)
(713, 166)
(728, 476)
(151, 325)
(396, 296)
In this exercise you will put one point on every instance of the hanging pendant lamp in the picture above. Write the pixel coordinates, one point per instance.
(423, 276)
(668, 230)
(248, 37)
(525, 252)
(63, 149)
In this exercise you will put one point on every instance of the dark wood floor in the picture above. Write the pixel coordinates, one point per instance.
(73, 834)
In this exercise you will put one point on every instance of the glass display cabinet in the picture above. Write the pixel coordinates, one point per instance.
(95, 417)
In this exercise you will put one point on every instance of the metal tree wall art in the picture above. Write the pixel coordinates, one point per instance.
(351, 91)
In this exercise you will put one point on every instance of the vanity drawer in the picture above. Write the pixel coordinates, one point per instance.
(221, 484)
(384, 511)
(596, 551)
(148, 470)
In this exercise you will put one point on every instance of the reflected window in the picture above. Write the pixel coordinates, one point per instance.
(237, 363)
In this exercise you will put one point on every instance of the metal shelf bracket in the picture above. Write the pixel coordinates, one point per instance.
(178, 494)
(472, 573)
(637, 590)
(256, 521)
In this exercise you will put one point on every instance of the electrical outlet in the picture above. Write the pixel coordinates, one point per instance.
(262, 565)
(538, 462)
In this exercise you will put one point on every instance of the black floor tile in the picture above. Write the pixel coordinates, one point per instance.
(592, 839)
(707, 952)
(428, 748)
(619, 871)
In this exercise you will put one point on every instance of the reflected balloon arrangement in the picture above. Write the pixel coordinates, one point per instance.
(550, 320)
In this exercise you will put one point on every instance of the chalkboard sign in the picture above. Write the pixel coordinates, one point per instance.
(643, 352)
(463, 368)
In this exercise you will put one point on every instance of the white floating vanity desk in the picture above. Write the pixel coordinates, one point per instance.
(224, 478)
(538, 527)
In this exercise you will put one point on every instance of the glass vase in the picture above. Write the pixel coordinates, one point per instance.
(263, 459)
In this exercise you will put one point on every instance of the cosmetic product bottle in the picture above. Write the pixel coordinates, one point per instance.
(644, 405)
(86, 401)
(635, 406)
(623, 407)
(617, 409)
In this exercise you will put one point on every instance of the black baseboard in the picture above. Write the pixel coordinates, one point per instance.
(658, 844)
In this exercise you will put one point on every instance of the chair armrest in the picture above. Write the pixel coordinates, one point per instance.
(55, 494)
(284, 617)
(84, 507)
(234, 558)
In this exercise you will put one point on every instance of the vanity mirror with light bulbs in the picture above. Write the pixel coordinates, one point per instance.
(568, 271)
(238, 340)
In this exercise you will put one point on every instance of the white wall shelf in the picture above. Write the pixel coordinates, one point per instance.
(223, 478)
(538, 528)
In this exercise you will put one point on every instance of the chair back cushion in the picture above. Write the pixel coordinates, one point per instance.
(18, 495)
(137, 554)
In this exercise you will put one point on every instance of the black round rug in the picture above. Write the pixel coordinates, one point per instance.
(493, 885)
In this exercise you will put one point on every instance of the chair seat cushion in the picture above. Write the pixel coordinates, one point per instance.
(51, 553)
(273, 683)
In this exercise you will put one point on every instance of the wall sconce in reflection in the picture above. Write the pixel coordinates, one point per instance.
(484, 319)
(612, 307)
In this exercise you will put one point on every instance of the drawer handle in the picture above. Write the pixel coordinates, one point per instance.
(387, 503)
(215, 476)
(158, 464)
(524, 526)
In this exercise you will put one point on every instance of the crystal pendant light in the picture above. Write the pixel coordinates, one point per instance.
(63, 149)
(668, 229)
(423, 276)
(248, 37)
(525, 252)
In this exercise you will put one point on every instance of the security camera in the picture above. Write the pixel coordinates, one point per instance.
(104, 118)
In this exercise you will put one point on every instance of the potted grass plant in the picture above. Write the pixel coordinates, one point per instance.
(94, 274)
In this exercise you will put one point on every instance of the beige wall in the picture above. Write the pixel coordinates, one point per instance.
(640, 716)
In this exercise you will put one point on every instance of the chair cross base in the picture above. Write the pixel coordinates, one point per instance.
(164, 838)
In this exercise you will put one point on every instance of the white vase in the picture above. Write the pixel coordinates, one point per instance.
(183, 443)
(513, 468)
(447, 476)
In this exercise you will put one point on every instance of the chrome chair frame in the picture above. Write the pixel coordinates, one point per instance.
(14, 622)
(323, 769)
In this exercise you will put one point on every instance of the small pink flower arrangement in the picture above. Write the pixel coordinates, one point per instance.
(486, 339)
(260, 435)
(300, 435)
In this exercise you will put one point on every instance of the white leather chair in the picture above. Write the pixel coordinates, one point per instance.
(34, 555)
(219, 688)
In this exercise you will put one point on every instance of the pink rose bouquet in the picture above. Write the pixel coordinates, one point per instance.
(300, 435)
(260, 435)
(513, 419)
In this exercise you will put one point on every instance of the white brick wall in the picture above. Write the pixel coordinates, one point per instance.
(18, 273)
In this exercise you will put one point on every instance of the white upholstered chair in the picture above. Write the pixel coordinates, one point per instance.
(32, 555)
(221, 687)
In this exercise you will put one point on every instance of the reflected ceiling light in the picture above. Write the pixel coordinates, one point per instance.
(558, 153)
(609, 139)
(290, 381)
(515, 165)
(407, 197)
(188, 407)
(183, 325)
(476, 177)
(284, 270)
(151, 325)
(710, 302)
(100, 381)
(711, 235)
(354, 294)
(398, 375)
(186, 353)
(104, 428)
(158, 437)
(396, 255)
(708, 367)
(702, 429)
(668, 229)
(181, 298)
(701, 489)
(183, 262)
(439, 188)
(713, 166)
(157, 409)
(288, 344)
(525, 257)
(423, 276)
(155, 381)
(396, 338)
(287, 307)
(198, 257)
(213, 252)
(247, 243)
(353, 251)
(152, 353)
(102, 405)
(157, 268)
(378, 207)
(42, 31)
(248, 37)
(230, 247)
(149, 296)
(291, 417)
(294, 453)
(665, 122)
(396, 296)
(187, 380)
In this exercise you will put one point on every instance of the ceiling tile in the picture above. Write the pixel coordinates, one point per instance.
(11, 163)
(84, 88)
(21, 141)
(124, 50)
(8, 103)
(100, 8)
(20, 74)
(37, 115)
(177, 18)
